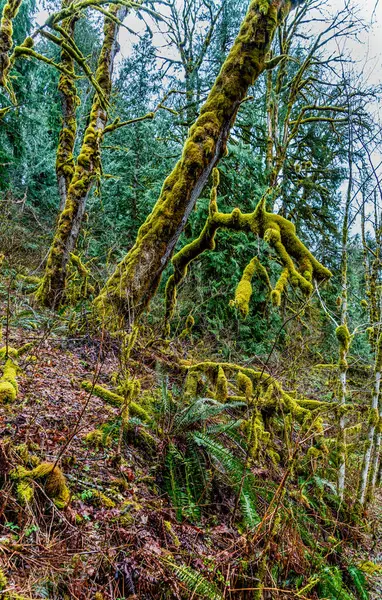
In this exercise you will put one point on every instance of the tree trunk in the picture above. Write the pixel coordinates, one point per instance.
(135, 280)
(69, 103)
(87, 168)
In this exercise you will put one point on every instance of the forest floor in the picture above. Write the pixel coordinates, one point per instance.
(120, 534)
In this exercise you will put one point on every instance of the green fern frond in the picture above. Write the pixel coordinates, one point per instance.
(331, 585)
(248, 510)
(359, 582)
(196, 583)
(202, 410)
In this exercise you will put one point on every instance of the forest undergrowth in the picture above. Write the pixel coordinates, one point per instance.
(154, 503)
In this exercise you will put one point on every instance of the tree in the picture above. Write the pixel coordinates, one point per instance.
(129, 289)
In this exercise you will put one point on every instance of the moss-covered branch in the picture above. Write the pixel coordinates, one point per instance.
(115, 400)
(136, 278)
(299, 265)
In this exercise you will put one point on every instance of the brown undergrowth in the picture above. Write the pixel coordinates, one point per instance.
(119, 536)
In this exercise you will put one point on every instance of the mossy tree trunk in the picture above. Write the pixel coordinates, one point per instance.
(10, 10)
(87, 169)
(69, 103)
(371, 460)
(136, 278)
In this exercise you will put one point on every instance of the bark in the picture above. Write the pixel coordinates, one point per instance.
(134, 282)
(87, 169)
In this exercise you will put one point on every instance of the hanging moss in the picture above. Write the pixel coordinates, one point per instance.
(221, 385)
(244, 289)
(275, 230)
(186, 332)
(344, 339)
(245, 385)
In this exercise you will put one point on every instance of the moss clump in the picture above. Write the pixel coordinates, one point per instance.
(244, 289)
(51, 478)
(344, 339)
(25, 492)
(98, 439)
(3, 580)
(8, 383)
(100, 500)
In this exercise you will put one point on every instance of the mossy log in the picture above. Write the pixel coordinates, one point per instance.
(87, 168)
(116, 400)
(136, 278)
(8, 380)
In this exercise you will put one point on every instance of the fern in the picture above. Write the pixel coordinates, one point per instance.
(202, 410)
(331, 585)
(232, 466)
(248, 509)
(173, 482)
(196, 583)
(359, 582)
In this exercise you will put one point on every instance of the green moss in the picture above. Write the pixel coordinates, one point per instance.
(10, 10)
(244, 289)
(25, 492)
(190, 322)
(245, 385)
(98, 439)
(221, 385)
(3, 580)
(8, 383)
(100, 500)
(52, 480)
(344, 340)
